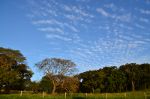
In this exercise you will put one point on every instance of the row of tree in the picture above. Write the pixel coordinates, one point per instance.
(112, 79)
(15, 75)
(69, 85)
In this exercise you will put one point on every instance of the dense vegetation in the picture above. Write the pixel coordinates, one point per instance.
(15, 75)
(112, 79)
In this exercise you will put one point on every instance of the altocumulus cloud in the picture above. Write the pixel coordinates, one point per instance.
(95, 33)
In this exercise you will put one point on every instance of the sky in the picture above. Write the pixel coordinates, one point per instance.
(91, 33)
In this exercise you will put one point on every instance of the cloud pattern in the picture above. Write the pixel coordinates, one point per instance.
(95, 33)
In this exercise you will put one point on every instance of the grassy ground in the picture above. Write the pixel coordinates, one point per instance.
(128, 95)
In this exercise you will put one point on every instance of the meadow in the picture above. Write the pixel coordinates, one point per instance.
(127, 95)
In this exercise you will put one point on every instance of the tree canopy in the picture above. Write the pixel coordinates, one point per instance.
(13, 54)
(13, 72)
(16, 75)
(56, 69)
(112, 79)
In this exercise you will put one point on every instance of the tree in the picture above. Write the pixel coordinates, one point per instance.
(35, 87)
(117, 81)
(7, 73)
(23, 77)
(13, 72)
(92, 80)
(87, 81)
(56, 69)
(13, 54)
(133, 73)
(46, 84)
(144, 81)
(108, 71)
(71, 84)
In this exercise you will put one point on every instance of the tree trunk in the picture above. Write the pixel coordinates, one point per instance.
(133, 86)
(54, 87)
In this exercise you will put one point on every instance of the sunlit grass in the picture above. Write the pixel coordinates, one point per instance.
(127, 95)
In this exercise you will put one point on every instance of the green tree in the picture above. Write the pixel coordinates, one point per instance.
(144, 81)
(7, 73)
(92, 80)
(133, 73)
(46, 84)
(13, 72)
(117, 81)
(87, 82)
(56, 69)
(108, 71)
(13, 54)
(35, 87)
(23, 77)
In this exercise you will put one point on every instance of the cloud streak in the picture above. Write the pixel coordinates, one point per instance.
(93, 35)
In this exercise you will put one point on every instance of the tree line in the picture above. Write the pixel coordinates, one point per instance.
(128, 77)
(60, 76)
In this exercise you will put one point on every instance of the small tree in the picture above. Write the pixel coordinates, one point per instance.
(56, 69)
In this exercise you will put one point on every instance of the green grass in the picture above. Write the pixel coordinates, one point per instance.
(128, 95)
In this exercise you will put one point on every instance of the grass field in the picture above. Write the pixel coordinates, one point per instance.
(128, 95)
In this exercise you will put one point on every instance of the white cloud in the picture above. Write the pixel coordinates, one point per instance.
(111, 6)
(55, 22)
(50, 21)
(139, 42)
(144, 20)
(145, 11)
(126, 17)
(102, 12)
(67, 8)
(66, 22)
(139, 26)
(70, 26)
(52, 30)
(74, 17)
(78, 10)
(51, 36)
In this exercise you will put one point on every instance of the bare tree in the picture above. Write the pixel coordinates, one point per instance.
(56, 69)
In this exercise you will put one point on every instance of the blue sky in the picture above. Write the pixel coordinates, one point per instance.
(91, 33)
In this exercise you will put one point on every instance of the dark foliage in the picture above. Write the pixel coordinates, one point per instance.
(112, 79)
(14, 73)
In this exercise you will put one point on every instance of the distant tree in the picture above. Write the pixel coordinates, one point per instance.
(107, 79)
(91, 81)
(100, 75)
(56, 69)
(112, 79)
(46, 84)
(71, 84)
(13, 72)
(117, 81)
(144, 81)
(133, 73)
(35, 87)
(87, 81)
(108, 71)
